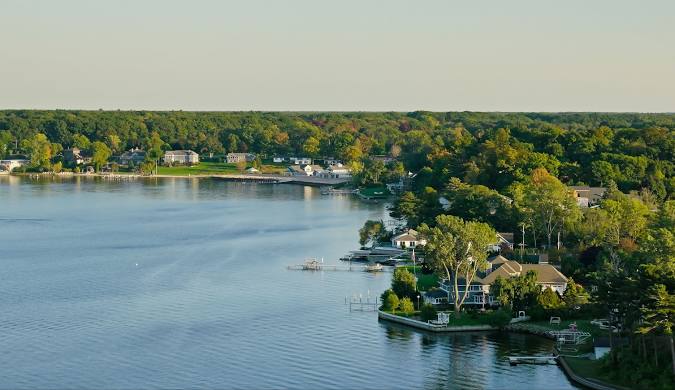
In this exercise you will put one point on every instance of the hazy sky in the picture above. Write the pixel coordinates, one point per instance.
(590, 55)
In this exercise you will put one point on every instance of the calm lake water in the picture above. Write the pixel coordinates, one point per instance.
(175, 283)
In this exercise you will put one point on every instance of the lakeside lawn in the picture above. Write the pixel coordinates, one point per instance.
(212, 168)
(582, 325)
(425, 282)
(591, 369)
(466, 319)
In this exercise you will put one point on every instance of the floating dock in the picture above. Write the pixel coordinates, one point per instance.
(515, 360)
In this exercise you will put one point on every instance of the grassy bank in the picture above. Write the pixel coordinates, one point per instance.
(213, 168)
(593, 370)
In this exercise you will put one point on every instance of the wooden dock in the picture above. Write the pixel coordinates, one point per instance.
(515, 360)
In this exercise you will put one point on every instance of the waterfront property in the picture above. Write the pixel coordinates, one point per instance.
(336, 171)
(479, 289)
(304, 170)
(133, 156)
(300, 160)
(184, 157)
(233, 158)
(73, 156)
(10, 164)
(407, 239)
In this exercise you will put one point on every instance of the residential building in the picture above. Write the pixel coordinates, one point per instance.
(336, 171)
(186, 157)
(73, 156)
(10, 164)
(133, 156)
(300, 160)
(479, 290)
(233, 158)
(436, 297)
(503, 240)
(408, 239)
(278, 159)
(588, 196)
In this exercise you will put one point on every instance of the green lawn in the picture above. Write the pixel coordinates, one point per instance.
(425, 282)
(582, 325)
(591, 369)
(211, 168)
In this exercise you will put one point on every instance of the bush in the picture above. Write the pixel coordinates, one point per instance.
(428, 312)
(406, 306)
(499, 318)
(389, 300)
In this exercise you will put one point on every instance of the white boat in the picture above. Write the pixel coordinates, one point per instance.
(377, 267)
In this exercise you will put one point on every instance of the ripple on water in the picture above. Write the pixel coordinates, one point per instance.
(183, 283)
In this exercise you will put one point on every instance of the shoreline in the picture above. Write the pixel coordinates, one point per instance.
(574, 377)
(268, 179)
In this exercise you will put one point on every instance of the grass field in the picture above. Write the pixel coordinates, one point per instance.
(424, 282)
(212, 168)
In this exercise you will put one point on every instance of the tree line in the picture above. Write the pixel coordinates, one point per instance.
(634, 151)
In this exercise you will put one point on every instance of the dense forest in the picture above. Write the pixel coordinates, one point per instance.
(634, 151)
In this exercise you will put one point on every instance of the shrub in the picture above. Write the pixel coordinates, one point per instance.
(499, 318)
(389, 300)
(406, 306)
(428, 312)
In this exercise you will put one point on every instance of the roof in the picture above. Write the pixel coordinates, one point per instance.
(592, 193)
(171, 152)
(546, 273)
(506, 236)
(436, 294)
(409, 235)
(498, 260)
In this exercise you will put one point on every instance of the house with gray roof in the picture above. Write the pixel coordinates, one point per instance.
(500, 267)
(186, 157)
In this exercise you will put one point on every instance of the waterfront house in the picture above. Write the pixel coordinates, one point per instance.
(185, 157)
(436, 297)
(479, 290)
(233, 158)
(278, 159)
(407, 239)
(300, 160)
(73, 156)
(588, 196)
(301, 170)
(338, 171)
(10, 164)
(133, 156)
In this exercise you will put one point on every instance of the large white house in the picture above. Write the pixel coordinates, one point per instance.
(407, 239)
(479, 289)
(187, 157)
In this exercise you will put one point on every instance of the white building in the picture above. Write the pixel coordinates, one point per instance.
(10, 164)
(278, 159)
(407, 239)
(187, 157)
(300, 160)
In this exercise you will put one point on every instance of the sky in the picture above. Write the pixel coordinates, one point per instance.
(338, 55)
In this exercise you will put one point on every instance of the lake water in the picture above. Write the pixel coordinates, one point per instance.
(175, 283)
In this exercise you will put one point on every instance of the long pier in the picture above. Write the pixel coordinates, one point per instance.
(280, 179)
